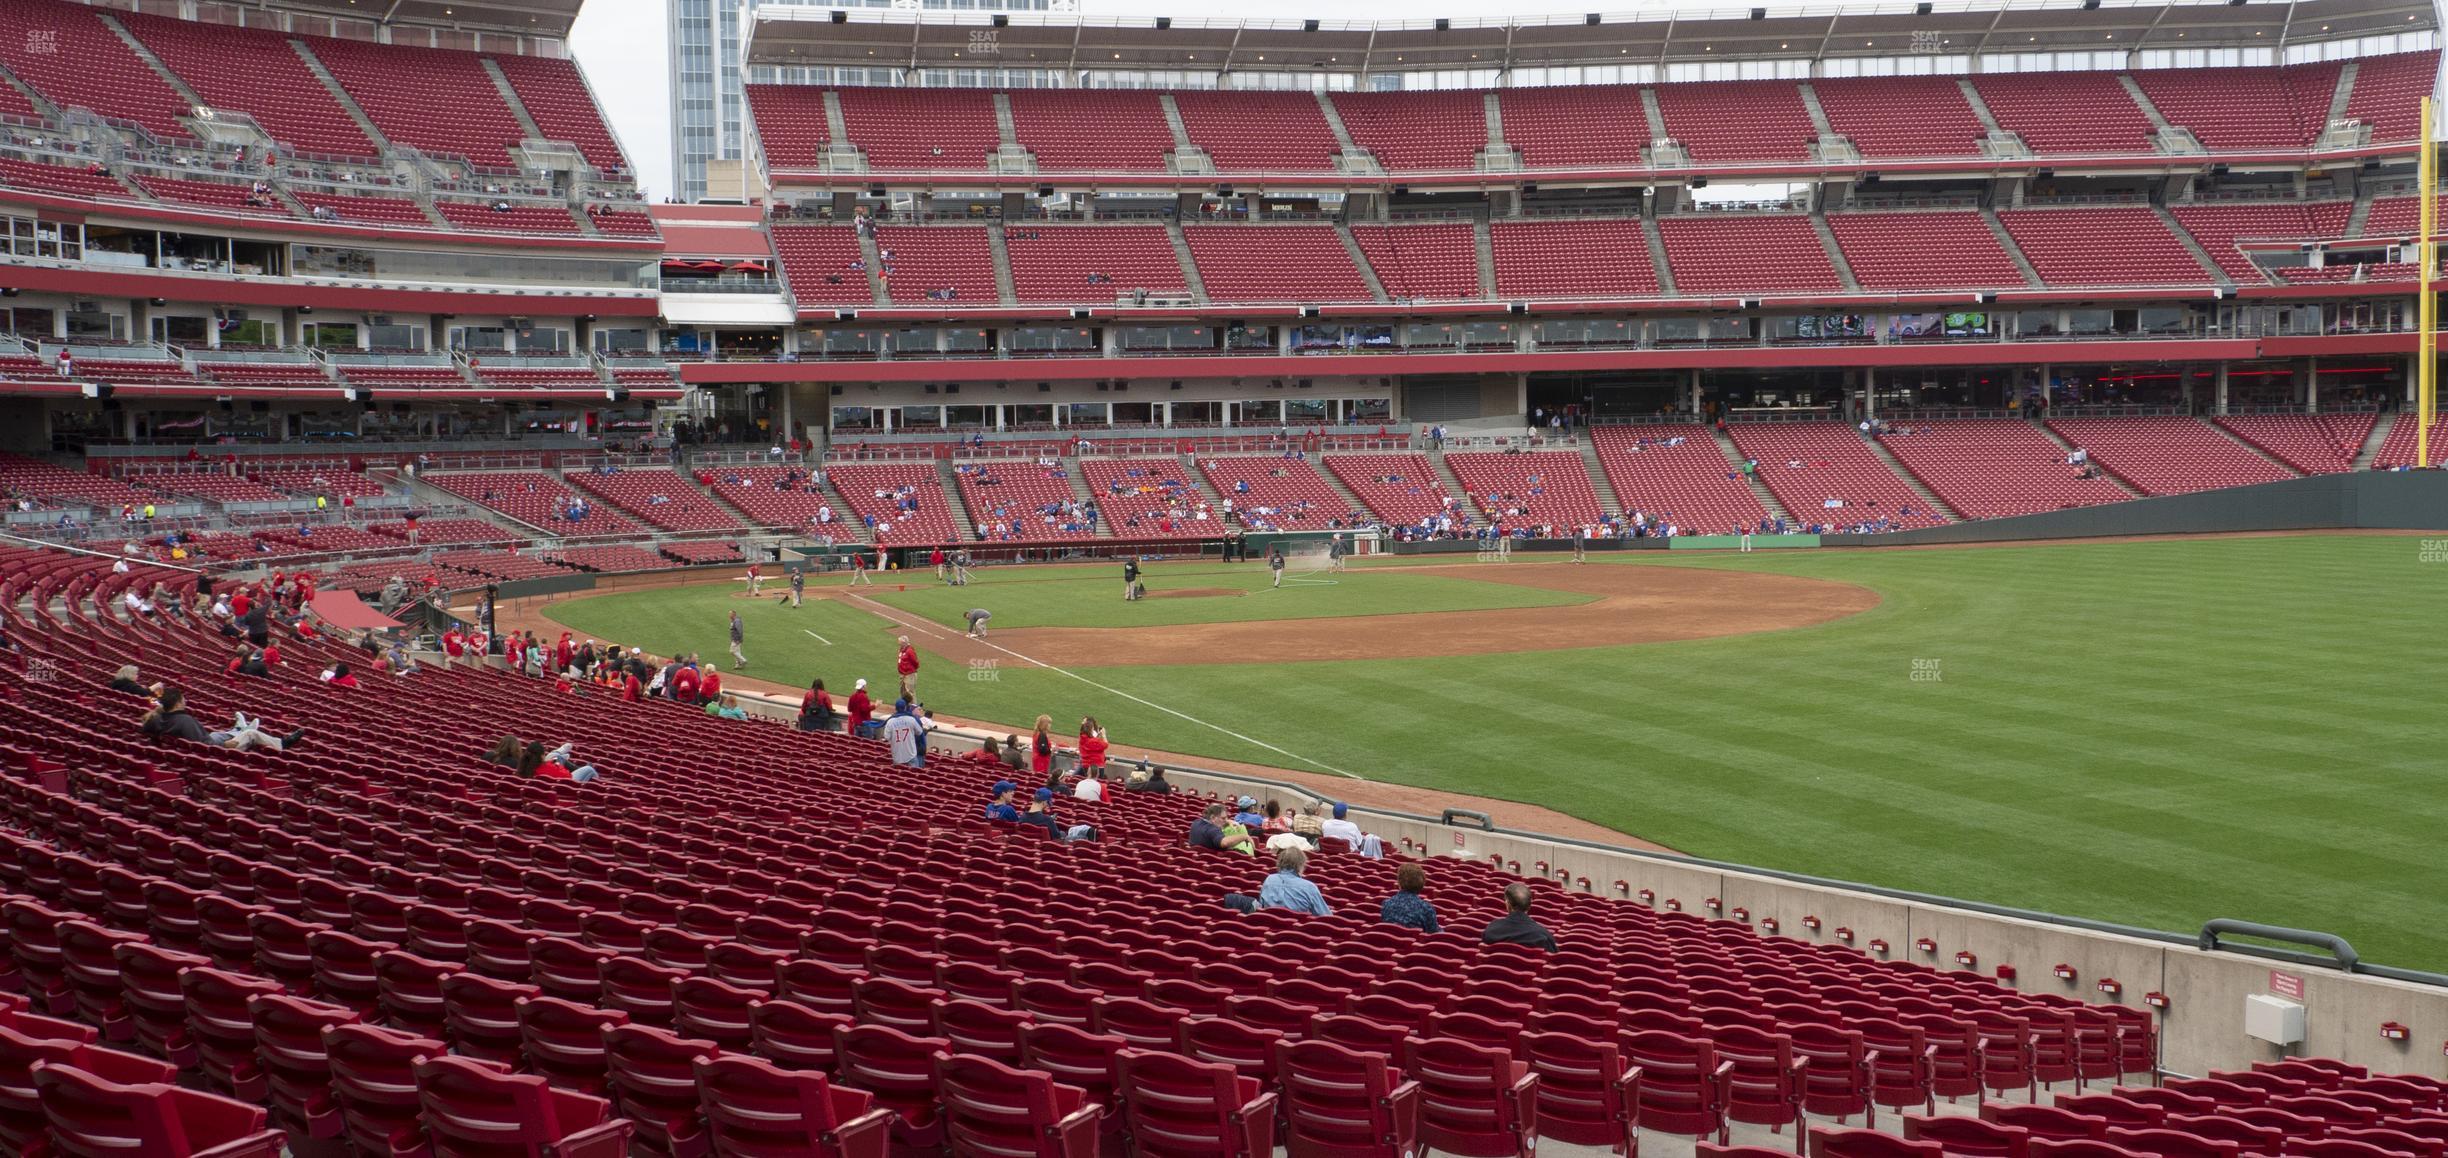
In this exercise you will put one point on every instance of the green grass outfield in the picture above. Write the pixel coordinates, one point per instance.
(2150, 732)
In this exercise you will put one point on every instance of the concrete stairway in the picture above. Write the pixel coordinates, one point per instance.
(1835, 252)
(1004, 292)
(952, 500)
(509, 96)
(1759, 490)
(1343, 492)
(874, 261)
(348, 104)
(1080, 493)
(2371, 446)
(1454, 487)
(1351, 245)
(1485, 248)
(1608, 500)
(2256, 451)
(1189, 265)
(1657, 250)
(1911, 480)
(2006, 242)
(2105, 473)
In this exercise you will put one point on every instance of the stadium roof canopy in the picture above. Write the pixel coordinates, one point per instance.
(525, 17)
(859, 38)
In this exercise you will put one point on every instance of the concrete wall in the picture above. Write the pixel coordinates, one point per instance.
(2370, 500)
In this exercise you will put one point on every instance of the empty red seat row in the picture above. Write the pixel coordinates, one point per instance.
(2114, 246)
(1092, 131)
(1901, 116)
(1674, 472)
(2168, 455)
(1275, 263)
(1991, 468)
(1824, 473)
(1440, 130)
(2311, 443)
(1601, 258)
(256, 72)
(1540, 489)
(1946, 250)
(1090, 265)
(1747, 253)
(1422, 262)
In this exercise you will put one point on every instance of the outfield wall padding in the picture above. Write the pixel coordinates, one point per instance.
(2368, 500)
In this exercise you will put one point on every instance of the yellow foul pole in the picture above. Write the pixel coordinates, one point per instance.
(2426, 374)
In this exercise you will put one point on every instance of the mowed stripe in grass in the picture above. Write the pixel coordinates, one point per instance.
(2153, 732)
(1080, 596)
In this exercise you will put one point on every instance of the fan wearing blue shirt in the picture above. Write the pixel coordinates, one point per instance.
(1002, 807)
(1286, 888)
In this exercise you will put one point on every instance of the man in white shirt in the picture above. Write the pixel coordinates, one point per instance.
(1344, 830)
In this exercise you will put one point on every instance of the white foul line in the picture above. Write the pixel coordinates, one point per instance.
(888, 613)
(819, 638)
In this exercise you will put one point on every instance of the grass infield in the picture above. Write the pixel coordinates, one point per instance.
(2149, 732)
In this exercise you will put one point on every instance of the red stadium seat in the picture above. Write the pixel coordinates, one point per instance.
(93, 1117)
(753, 1109)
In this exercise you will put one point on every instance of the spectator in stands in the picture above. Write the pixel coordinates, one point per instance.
(1309, 821)
(170, 718)
(1147, 778)
(1516, 927)
(1247, 815)
(505, 752)
(906, 732)
(1208, 831)
(553, 765)
(727, 708)
(339, 676)
(1286, 888)
(125, 681)
(858, 710)
(1092, 749)
(248, 661)
(1041, 750)
(1000, 807)
(1407, 907)
(1276, 821)
(816, 709)
(1041, 814)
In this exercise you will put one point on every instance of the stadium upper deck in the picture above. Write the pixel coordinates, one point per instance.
(1900, 90)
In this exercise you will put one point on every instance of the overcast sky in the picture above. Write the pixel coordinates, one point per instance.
(622, 45)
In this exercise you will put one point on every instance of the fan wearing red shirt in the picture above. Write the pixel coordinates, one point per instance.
(858, 709)
(454, 645)
(709, 687)
(909, 670)
(515, 650)
(563, 651)
(271, 655)
(684, 684)
(239, 604)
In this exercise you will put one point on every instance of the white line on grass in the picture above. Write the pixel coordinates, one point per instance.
(890, 614)
(818, 638)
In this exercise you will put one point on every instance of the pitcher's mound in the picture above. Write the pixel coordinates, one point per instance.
(1197, 593)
